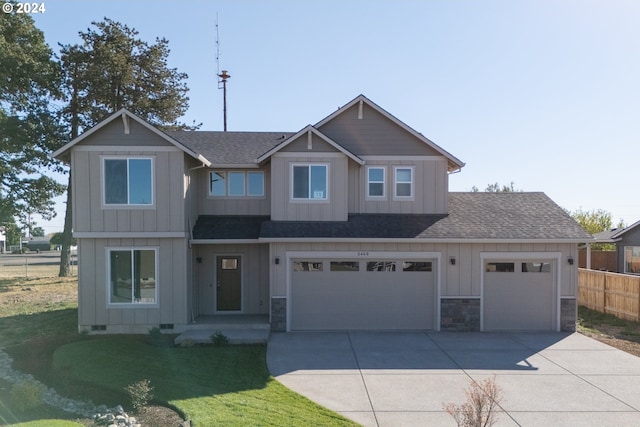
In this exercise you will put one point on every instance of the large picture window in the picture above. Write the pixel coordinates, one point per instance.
(132, 276)
(310, 182)
(632, 259)
(128, 181)
(236, 184)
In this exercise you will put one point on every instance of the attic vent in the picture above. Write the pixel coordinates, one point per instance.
(360, 110)
(309, 141)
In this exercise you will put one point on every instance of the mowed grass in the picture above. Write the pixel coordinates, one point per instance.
(228, 386)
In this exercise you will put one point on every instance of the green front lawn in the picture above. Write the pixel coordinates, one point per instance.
(208, 385)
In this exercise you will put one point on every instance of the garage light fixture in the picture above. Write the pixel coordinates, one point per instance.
(277, 260)
(570, 260)
(452, 260)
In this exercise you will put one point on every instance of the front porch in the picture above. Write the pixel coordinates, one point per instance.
(239, 328)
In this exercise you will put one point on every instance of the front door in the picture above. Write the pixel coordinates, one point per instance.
(228, 283)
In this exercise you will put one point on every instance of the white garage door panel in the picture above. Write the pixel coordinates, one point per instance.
(519, 301)
(362, 300)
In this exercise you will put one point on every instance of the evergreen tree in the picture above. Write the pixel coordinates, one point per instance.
(112, 69)
(29, 130)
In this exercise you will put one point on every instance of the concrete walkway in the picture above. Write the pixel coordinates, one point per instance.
(403, 378)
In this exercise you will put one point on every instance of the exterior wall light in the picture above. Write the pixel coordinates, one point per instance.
(452, 260)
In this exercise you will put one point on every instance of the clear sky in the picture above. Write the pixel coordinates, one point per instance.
(544, 93)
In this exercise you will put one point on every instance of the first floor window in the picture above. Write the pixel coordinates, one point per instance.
(128, 181)
(404, 182)
(132, 276)
(632, 259)
(310, 182)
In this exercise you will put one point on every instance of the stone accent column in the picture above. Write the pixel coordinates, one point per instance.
(460, 314)
(568, 314)
(278, 314)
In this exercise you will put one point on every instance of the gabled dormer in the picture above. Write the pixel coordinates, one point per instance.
(360, 159)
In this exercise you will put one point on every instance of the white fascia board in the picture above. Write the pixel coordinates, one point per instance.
(450, 157)
(129, 114)
(315, 131)
(411, 240)
(130, 234)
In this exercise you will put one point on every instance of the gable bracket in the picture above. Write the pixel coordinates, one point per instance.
(125, 122)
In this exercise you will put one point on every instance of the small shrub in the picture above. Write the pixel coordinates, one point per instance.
(219, 339)
(140, 394)
(27, 395)
(479, 410)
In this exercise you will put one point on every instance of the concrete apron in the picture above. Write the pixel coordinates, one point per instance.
(405, 378)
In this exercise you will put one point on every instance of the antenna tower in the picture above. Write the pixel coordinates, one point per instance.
(223, 76)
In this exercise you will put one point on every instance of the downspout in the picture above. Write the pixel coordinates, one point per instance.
(190, 229)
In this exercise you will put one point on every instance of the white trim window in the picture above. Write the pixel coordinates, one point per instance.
(403, 188)
(309, 181)
(132, 275)
(632, 259)
(127, 181)
(236, 183)
(376, 182)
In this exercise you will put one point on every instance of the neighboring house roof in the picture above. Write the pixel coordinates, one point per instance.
(606, 236)
(478, 216)
(230, 148)
(125, 115)
(454, 164)
(310, 130)
(620, 231)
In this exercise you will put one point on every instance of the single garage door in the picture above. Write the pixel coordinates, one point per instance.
(334, 294)
(519, 295)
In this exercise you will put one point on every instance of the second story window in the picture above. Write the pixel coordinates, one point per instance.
(375, 182)
(128, 181)
(236, 184)
(404, 182)
(309, 182)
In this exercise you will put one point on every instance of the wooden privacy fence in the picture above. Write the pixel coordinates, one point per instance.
(613, 293)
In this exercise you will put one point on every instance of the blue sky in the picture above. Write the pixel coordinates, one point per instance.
(544, 93)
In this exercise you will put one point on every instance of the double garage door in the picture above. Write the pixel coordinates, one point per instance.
(335, 294)
(519, 295)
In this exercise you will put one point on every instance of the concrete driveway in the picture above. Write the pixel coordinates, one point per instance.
(403, 378)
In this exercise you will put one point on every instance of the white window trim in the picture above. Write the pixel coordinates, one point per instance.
(384, 183)
(105, 205)
(131, 305)
(245, 194)
(396, 182)
(309, 199)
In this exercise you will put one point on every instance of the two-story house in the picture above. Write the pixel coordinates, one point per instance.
(346, 224)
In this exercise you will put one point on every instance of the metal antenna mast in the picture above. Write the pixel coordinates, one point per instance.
(223, 76)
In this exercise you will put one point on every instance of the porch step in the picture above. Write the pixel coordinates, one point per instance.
(236, 335)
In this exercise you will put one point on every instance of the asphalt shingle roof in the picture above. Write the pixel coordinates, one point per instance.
(473, 216)
(229, 148)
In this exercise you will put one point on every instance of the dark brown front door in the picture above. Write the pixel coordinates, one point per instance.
(228, 283)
